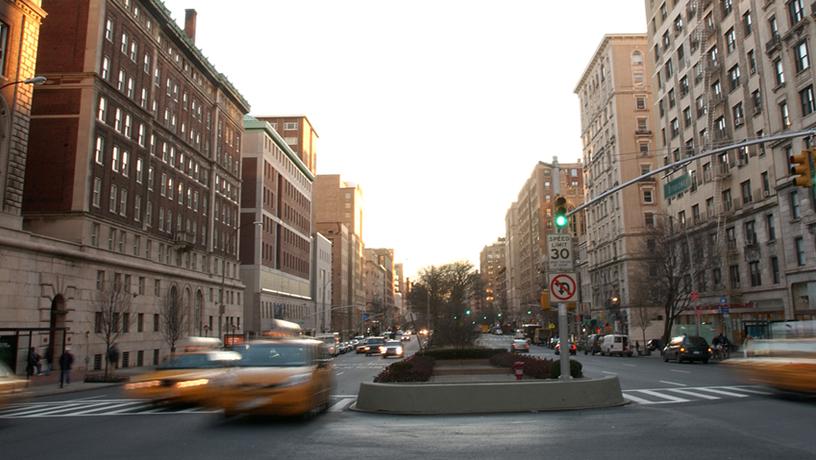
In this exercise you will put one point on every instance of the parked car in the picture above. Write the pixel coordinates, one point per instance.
(572, 348)
(520, 345)
(615, 344)
(687, 348)
(392, 348)
(593, 344)
(654, 344)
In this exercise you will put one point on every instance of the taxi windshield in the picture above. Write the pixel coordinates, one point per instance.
(200, 360)
(275, 355)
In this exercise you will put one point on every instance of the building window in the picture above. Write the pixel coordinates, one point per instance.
(95, 235)
(112, 198)
(747, 23)
(97, 192)
(102, 109)
(756, 99)
(784, 114)
(647, 196)
(125, 163)
(731, 40)
(806, 98)
(771, 227)
(752, 63)
(137, 208)
(775, 269)
(727, 5)
(780, 72)
(734, 77)
(756, 276)
(794, 205)
(802, 60)
(746, 192)
(799, 245)
(734, 276)
(739, 115)
(796, 10)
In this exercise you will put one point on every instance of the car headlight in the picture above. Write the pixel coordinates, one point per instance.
(141, 385)
(382, 349)
(399, 350)
(192, 383)
(297, 379)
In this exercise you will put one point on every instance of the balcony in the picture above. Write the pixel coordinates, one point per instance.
(643, 131)
(773, 44)
(184, 240)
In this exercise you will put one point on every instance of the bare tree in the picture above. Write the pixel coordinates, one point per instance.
(664, 280)
(174, 318)
(112, 304)
(641, 317)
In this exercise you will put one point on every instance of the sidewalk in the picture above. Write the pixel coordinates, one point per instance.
(48, 385)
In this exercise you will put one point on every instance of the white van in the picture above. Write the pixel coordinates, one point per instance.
(615, 344)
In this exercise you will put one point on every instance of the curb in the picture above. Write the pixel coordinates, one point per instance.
(488, 398)
(68, 390)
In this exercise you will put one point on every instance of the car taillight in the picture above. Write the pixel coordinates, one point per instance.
(682, 350)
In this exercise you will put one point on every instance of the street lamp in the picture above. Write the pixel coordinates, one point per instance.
(38, 80)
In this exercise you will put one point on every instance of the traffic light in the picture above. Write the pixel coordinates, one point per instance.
(560, 212)
(802, 165)
(467, 312)
(544, 300)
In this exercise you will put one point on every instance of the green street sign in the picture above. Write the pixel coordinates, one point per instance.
(676, 186)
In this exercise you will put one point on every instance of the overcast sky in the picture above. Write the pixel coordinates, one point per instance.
(439, 109)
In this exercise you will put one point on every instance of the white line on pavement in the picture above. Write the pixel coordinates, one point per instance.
(668, 382)
(629, 365)
(693, 394)
(341, 405)
(91, 408)
(341, 373)
(343, 396)
(663, 396)
(641, 400)
(681, 372)
(37, 412)
(749, 390)
(610, 373)
(722, 392)
(128, 406)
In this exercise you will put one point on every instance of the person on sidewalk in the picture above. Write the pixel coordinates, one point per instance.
(66, 361)
(32, 363)
(49, 360)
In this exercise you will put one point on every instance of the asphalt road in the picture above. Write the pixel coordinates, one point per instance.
(694, 422)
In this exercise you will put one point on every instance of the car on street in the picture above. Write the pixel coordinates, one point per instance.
(371, 346)
(332, 343)
(788, 364)
(184, 378)
(687, 348)
(498, 331)
(520, 345)
(572, 348)
(616, 344)
(392, 348)
(277, 377)
(406, 337)
(10, 385)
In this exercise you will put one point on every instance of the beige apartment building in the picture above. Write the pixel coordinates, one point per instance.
(338, 209)
(297, 131)
(376, 287)
(618, 145)
(528, 221)
(725, 71)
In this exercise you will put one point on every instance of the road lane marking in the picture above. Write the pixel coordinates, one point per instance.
(27, 412)
(343, 396)
(669, 382)
(341, 405)
(629, 365)
(341, 373)
(641, 400)
(610, 373)
(663, 396)
(693, 394)
(138, 404)
(681, 372)
(91, 408)
(723, 392)
(749, 390)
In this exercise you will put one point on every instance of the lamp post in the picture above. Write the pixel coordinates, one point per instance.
(222, 307)
(38, 80)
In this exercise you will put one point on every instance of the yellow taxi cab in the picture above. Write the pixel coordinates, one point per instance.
(277, 377)
(784, 364)
(184, 378)
(10, 385)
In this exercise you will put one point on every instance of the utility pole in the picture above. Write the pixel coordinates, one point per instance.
(563, 327)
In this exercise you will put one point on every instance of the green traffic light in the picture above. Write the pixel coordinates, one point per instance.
(561, 221)
(467, 312)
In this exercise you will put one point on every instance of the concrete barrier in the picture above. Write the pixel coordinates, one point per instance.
(494, 397)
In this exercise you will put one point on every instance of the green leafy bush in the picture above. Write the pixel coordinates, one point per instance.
(414, 369)
(462, 353)
(576, 369)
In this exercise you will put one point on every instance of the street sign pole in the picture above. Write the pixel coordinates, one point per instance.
(562, 307)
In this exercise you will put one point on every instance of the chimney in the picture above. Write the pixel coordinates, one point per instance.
(190, 23)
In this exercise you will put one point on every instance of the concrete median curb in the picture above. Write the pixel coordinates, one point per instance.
(494, 397)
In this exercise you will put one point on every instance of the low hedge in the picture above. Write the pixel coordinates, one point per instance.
(536, 368)
(414, 369)
(461, 353)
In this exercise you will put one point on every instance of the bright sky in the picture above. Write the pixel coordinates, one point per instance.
(438, 109)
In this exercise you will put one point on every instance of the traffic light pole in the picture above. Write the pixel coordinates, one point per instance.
(563, 327)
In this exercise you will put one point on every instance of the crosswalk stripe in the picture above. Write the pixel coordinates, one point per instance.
(664, 396)
(28, 411)
(341, 405)
(750, 390)
(723, 392)
(140, 405)
(693, 394)
(91, 408)
(641, 400)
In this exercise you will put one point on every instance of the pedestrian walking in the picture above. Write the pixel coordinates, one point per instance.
(66, 361)
(637, 347)
(49, 360)
(113, 356)
(32, 363)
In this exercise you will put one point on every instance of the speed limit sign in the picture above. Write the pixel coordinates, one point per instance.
(559, 252)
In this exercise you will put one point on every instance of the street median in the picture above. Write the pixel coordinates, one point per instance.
(491, 397)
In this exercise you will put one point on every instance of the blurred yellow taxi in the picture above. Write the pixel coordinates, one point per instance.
(10, 385)
(184, 378)
(785, 364)
(277, 377)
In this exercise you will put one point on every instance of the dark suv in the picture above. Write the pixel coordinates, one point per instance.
(687, 348)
